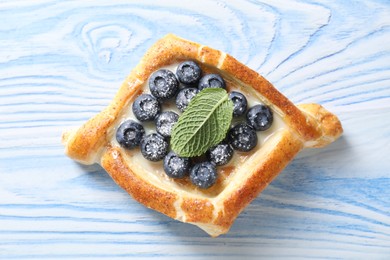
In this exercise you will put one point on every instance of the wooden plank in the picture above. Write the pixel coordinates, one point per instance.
(62, 62)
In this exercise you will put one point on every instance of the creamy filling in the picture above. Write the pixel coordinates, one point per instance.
(154, 173)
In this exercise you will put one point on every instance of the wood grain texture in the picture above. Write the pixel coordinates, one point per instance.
(62, 62)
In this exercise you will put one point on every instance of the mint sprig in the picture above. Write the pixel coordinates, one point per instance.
(203, 124)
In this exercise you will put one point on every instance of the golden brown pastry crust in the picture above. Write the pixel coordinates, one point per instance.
(309, 125)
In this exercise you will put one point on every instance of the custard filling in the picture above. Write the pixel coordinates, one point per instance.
(233, 172)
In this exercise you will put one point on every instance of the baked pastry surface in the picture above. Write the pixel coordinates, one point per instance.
(215, 209)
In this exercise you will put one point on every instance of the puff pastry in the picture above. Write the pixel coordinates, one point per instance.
(215, 209)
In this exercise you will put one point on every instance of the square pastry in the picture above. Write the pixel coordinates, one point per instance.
(197, 135)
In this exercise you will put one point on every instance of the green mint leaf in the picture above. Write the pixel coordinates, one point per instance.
(203, 124)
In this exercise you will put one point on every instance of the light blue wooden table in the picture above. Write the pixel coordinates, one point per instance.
(62, 61)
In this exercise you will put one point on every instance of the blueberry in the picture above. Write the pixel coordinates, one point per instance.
(165, 122)
(163, 84)
(188, 72)
(154, 147)
(242, 137)
(129, 134)
(211, 81)
(146, 107)
(203, 174)
(260, 117)
(220, 154)
(184, 97)
(176, 166)
(240, 103)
